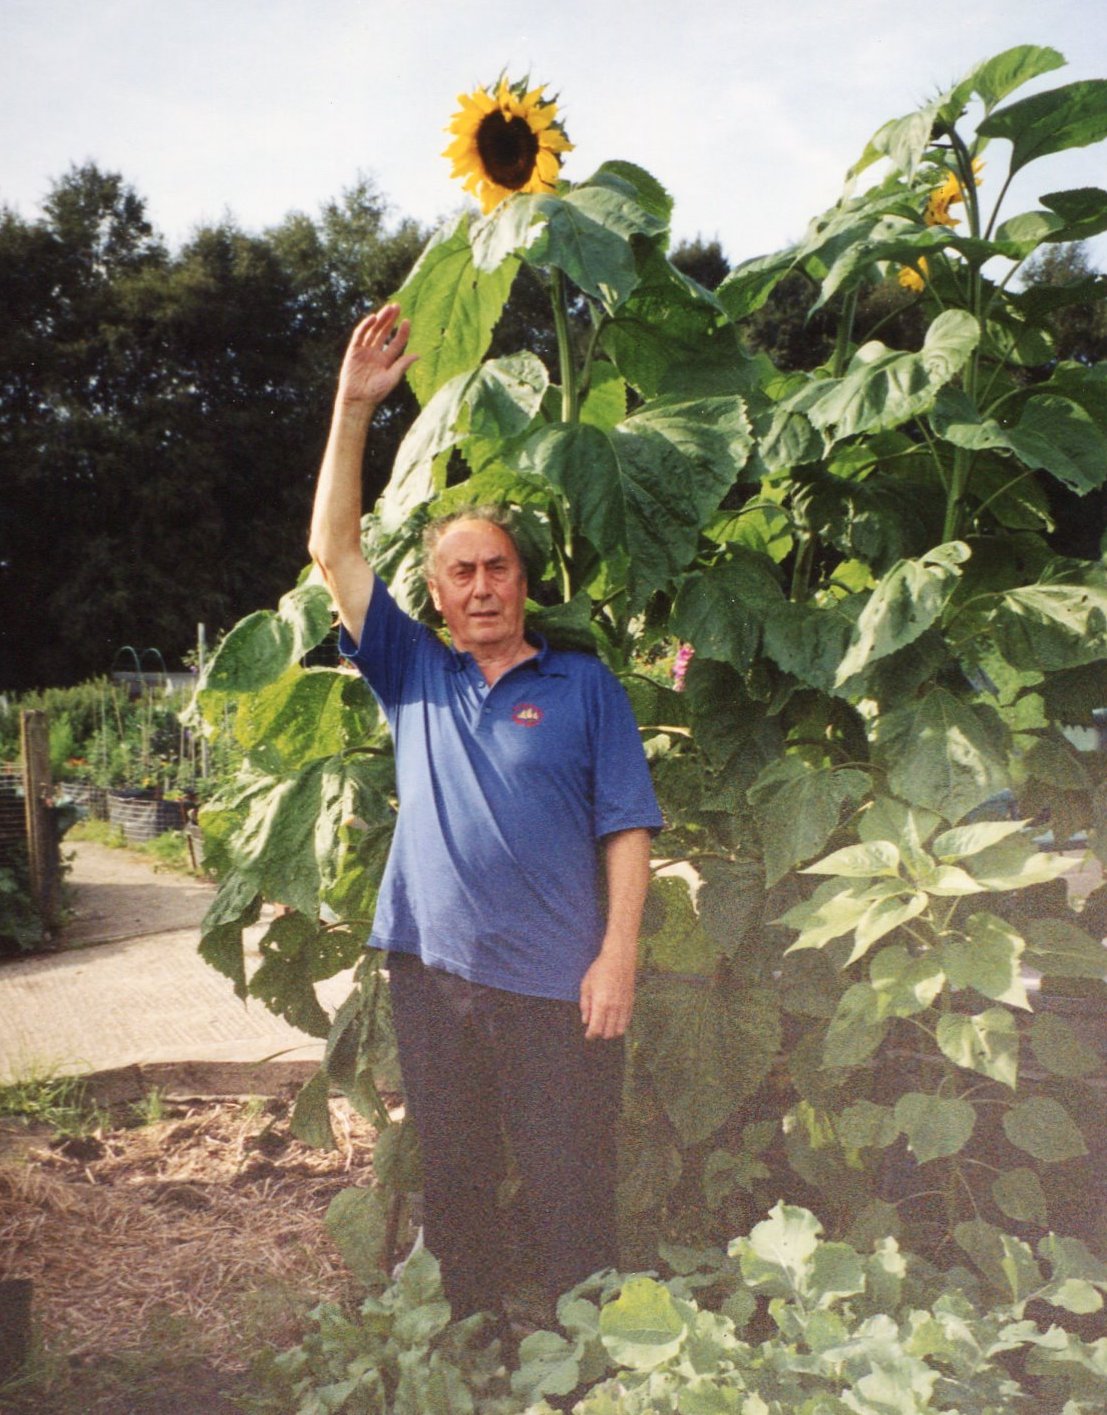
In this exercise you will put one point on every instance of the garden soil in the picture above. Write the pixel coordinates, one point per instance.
(182, 1233)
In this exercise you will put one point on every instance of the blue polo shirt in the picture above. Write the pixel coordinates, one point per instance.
(494, 872)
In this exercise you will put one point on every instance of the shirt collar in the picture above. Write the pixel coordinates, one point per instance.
(547, 661)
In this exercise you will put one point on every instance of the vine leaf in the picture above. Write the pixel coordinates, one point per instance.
(1043, 1128)
(935, 1126)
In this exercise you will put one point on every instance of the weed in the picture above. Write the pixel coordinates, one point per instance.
(44, 1097)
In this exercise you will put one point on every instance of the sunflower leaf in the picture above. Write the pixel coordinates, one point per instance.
(642, 492)
(453, 305)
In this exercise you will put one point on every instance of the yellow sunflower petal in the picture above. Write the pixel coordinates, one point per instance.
(505, 141)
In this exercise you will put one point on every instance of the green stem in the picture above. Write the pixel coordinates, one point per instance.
(570, 403)
(962, 457)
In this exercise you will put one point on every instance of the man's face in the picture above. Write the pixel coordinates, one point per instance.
(479, 587)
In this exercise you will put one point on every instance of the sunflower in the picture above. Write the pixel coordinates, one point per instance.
(912, 279)
(506, 142)
(942, 198)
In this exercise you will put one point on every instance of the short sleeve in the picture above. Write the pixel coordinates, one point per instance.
(623, 794)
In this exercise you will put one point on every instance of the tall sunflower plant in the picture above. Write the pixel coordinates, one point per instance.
(872, 989)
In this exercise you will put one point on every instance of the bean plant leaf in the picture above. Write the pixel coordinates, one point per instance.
(987, 1043)
(548, 1365)
(778, 1255)
(987, 958)
(1061, 949)
(935, 1126)
(1043, 1128)
(1019, 1193)
(1062, 118)
(453, 306)
(965, 840)
(1058, 1048)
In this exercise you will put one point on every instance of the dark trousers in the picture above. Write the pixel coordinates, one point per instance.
(478, 1064)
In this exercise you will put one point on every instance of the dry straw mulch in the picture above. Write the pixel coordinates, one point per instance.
(207, 1225)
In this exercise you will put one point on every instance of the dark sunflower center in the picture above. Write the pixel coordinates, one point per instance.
(507, 149)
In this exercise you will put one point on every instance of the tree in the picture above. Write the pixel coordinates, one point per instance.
(163, 415)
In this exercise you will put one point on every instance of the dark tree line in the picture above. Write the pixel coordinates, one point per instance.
(162, 415)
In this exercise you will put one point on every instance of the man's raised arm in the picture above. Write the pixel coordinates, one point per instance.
(373, 365)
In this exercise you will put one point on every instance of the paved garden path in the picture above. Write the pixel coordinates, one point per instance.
(127, 986)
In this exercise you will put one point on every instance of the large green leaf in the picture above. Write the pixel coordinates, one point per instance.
(263, 646)
(720, 610)
(496, 401)
(672, 329)
(1059, 1049)
(643, 1327)
(306, 714)
(706, 1050)
(995, 78)
(453, 306)
(1019, 1193)
(641, 493)
(288, 841)
(1053, 433)
(857, 1028)
(1060, 949)
(904, 604)
(808, 641)
(1043, 1128)
(296, 953)
(797, 807)
(935, 1126)
(942, 754)
(883, 388)
(585, 233)
(987, 1042)
(1054, 625)
(1082, 209)
(987, 958)
(1071, 116)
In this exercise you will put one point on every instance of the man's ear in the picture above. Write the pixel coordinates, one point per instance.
(433, 591)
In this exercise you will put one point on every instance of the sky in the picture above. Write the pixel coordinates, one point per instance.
(749, 112)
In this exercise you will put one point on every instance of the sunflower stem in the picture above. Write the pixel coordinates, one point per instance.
(570, 403)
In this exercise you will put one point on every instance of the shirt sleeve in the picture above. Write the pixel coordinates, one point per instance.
(389, 641)
(623, 798)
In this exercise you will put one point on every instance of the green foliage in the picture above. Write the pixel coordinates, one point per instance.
(782, 1321)
(838, 1008)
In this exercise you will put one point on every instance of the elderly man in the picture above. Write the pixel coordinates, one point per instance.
(511, 902)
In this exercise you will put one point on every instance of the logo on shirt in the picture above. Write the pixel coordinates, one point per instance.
(526, 715)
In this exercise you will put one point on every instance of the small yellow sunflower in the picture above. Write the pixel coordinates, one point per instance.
(942, 198)
(914, 279)
(506, 142)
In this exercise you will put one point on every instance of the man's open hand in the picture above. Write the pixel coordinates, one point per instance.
(375, 360)
(607, 995)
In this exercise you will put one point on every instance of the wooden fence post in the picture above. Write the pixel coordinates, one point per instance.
(42, 842)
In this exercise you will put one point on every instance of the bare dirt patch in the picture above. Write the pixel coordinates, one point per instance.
(165, 1257)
